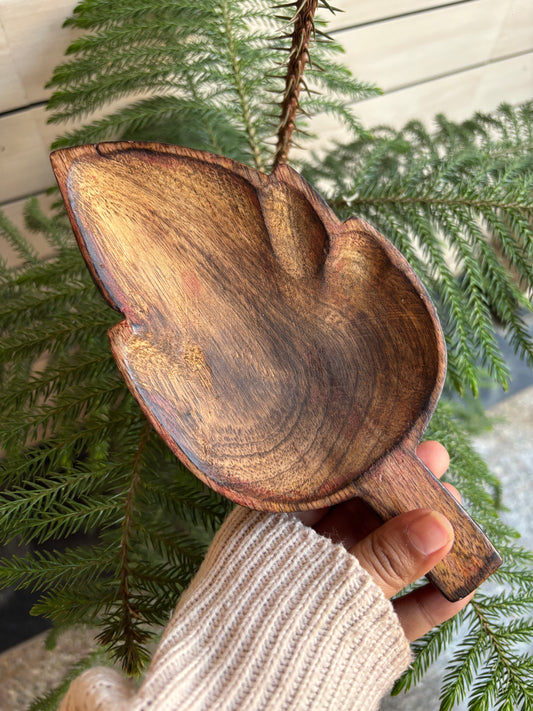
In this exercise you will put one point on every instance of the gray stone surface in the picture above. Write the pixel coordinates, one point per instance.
(29, 670)
(508, 449)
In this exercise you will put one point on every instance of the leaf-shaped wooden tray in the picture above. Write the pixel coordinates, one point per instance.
(290, 360)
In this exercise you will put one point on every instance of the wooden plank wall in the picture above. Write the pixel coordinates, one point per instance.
(429, 56)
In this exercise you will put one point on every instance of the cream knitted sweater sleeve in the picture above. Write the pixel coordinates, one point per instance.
(277, 618)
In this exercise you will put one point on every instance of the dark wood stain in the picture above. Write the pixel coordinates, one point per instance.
(290, 360)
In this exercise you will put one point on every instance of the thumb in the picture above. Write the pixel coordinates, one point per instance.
(404, 548)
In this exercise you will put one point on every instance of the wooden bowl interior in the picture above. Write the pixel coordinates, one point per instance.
(276, 377)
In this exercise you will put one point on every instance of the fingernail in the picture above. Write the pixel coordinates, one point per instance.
(430, 532)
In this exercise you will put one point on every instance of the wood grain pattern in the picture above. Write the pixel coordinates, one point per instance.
(32, 42)
(279, 352)
(442, 41)
(470, 66)
(365, 11)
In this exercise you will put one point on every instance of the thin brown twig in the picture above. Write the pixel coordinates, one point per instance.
(130, 635)
(302, 34)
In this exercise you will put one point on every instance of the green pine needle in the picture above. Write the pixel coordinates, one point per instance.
(458, 203)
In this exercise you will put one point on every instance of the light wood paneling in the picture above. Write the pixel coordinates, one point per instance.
(516, 31)
(434, 36)
(24, 145)
(33, 43)
(12, 92)
(359, 12)
(428, 45)
(434, 56)
(459, 96)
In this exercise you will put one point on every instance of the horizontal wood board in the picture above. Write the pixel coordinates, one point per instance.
(430, 56)
(354, 13)
(458, 96)
(33, 41)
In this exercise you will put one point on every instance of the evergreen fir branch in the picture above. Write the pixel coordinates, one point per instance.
(56, 334)
(156, 605)
(71, 447)
(504, 603)
(303, 29)
(57, 569)
(311, 51)
(437, 199)
(83, 72)
(77, 604)
(14, 237)
(77, 516)
(126, 638)
(181, 553)
(506, 678)
(121, 38)
(468, 659)
(39, 302)
(332, 79)
(86, 99)
(213, 57)
(39, 508)
(122, 632)
(88, 14)
(57, 231)
(216, 75)
(66, 371)
(4, 271)
(76, 405)
(481, 322)
(240, 86)
(48, 272)
(455, 302)
(330, 106)
(175, 116)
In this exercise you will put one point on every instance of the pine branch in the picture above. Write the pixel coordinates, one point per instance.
(77, 604)
(214, 80)
(303, 96)
(82, 516)
(47, 272)
(64, 331)
(470, 217)
(240, 87)
(55, 569)
(14, 237)
(56, 228)
(303, 29)
(64, 372)
(127, 637)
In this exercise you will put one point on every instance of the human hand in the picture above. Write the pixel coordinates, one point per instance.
(400, 551)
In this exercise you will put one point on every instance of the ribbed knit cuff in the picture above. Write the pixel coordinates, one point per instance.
(277, 618)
